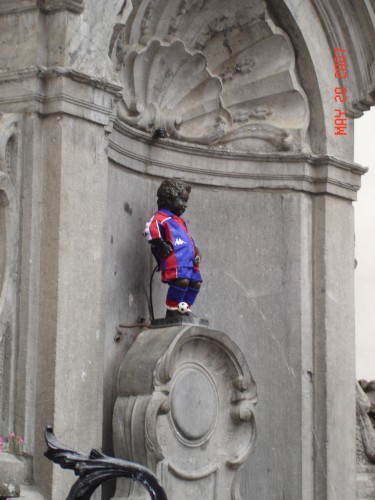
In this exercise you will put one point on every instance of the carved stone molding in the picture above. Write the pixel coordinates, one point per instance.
(9, 227)
(15, 6)
(185, 410)
(219, 166)
(211, 75)
(76, 6)
(59, 90)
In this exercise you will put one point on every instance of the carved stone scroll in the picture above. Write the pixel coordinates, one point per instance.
(185, 410)
(366, 421)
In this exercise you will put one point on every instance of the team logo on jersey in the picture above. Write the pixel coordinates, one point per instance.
(179, 241)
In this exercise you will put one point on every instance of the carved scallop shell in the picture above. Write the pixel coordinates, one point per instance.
(211, 74)
(165, 87)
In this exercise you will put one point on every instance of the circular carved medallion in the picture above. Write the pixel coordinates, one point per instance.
(194, 404)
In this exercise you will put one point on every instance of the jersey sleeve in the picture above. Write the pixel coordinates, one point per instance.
(152, 230)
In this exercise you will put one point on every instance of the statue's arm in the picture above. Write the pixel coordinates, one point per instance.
(198, 256)
(161, 247)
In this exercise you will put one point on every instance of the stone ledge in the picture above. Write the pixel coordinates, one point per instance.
(183, 320)
(58, 90)
(219, 167)
(13, 7)
(49, 6)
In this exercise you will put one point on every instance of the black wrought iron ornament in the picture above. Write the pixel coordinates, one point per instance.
(96, 468)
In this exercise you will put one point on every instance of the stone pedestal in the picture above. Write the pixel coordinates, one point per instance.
(185, 409)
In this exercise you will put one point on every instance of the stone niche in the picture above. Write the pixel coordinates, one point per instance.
(185, 410)
(212, 75)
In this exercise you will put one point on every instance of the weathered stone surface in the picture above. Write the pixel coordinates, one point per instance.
(354, 33)
(9, 489)
(69, 376)
(30, 493)
(272, 321)
(10, 182)
(365, 482)
(11, 475)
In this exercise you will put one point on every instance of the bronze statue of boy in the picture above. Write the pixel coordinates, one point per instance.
(177, 255)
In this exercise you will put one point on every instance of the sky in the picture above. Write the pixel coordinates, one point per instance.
(364, 154)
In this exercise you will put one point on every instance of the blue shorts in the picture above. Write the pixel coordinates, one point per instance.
(190, 273)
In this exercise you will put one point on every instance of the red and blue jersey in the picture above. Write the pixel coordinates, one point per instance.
(172, 229)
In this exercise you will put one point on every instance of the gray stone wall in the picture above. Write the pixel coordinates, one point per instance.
(259, 265)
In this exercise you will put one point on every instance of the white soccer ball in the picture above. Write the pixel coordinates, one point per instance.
(183, 307)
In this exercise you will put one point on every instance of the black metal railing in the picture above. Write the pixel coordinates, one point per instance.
(96, 468)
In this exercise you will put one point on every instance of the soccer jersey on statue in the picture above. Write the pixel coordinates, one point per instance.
(173, 230)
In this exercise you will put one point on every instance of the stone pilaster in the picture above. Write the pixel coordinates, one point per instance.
(63, 115)
(333, 349)
(70, 353)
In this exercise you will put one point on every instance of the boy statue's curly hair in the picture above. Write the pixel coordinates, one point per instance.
(169, 190)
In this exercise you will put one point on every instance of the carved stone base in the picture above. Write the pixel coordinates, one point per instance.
(185, 409)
